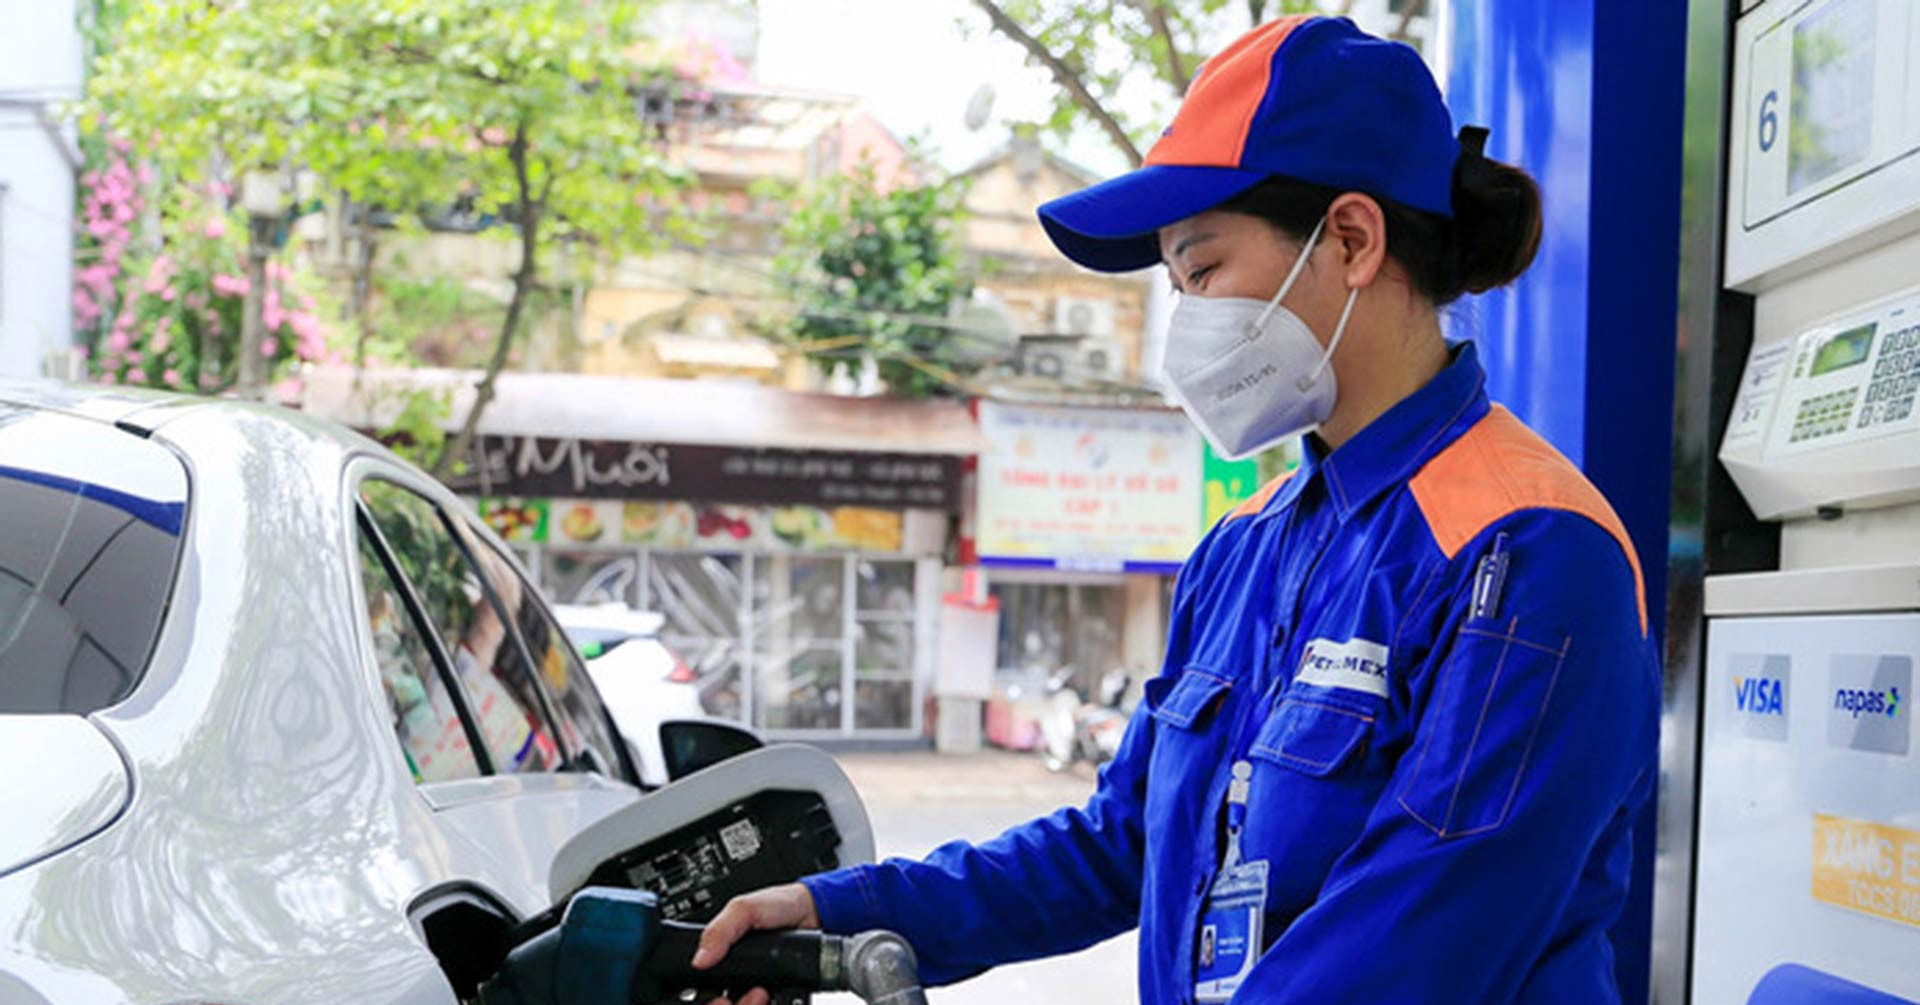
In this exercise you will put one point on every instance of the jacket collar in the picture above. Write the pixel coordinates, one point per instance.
(1393, 447)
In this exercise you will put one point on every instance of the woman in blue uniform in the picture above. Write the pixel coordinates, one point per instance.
(1409, 707)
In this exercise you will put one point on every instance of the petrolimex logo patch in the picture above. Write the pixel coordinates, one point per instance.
(1356, 664)
(1872, 703)
(1761, 686)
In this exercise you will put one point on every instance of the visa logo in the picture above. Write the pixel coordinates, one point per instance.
(1759, 696)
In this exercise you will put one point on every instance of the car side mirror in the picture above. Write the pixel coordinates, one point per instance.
(689, 745)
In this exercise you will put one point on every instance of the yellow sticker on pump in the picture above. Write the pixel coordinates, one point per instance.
(1867, 867)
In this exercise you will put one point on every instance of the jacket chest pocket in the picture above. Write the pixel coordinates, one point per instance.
(1188, 744)
(1312, 737)
(1313, 788)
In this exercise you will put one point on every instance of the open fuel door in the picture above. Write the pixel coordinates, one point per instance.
(762, 818)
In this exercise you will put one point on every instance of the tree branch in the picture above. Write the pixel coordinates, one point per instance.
(1065, 76)
(530, 209)
(1155, 12)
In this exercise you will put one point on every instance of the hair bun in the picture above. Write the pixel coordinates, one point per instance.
(1496, 218)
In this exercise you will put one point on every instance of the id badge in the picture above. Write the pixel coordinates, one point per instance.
(1230, 931)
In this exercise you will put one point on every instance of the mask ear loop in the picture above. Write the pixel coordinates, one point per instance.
(1339, 332)
(1299, 265)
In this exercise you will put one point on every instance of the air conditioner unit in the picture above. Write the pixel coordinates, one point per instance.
(1103, 358)
(1083, 317)
(1073, 360)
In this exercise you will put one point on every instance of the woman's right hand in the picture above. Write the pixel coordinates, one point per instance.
(776, 907)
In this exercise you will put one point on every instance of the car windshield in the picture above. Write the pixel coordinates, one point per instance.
(90, 533)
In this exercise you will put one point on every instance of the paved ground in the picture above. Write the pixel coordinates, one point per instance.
(919, 801)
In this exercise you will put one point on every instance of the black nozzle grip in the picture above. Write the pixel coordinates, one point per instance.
(790, 960)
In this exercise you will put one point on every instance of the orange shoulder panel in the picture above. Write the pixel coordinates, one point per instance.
(1258, 502)
(1210, 129)
(1500, 467)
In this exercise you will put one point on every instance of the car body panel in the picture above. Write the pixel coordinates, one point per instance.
(274, 841)
(42, 819)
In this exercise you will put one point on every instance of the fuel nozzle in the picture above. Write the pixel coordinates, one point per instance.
(611, 947)
(880, 967)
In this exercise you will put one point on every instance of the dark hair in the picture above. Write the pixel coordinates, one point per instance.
(1490, 241)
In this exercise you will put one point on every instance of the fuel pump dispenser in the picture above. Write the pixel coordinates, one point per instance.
(1807, 856)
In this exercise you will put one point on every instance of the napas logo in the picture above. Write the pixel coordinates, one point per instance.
(1858, 702)
(1869, 709)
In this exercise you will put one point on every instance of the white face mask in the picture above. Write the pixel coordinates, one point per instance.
(1250, 373)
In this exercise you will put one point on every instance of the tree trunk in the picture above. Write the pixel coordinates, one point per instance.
(524, 278)
(364, 251)
(253, 368)
(1413, 9)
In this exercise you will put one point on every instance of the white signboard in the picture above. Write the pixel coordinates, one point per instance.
(1088, 488)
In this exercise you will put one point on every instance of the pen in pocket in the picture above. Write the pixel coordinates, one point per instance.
(1489, 579)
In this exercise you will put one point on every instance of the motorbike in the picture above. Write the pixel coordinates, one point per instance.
(1075, 729)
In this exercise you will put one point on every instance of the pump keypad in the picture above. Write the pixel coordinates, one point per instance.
(1896, 378)
(1824, 415)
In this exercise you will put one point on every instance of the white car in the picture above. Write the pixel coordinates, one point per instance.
(285, 724)
(643, 683)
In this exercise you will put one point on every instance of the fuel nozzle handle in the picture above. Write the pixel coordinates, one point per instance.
(612, 948)
(878, 966)
(798, 960)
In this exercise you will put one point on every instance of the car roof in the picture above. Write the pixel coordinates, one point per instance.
(116, 405)
(143, 411)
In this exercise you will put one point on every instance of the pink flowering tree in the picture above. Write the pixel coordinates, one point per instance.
(173, 318)
(112, 201)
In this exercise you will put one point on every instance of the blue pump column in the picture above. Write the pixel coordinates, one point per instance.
(1587, 95)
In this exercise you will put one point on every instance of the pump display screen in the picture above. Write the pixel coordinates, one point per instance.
(1849, 348)
(1832, 108)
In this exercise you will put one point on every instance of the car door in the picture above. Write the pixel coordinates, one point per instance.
(507, 742)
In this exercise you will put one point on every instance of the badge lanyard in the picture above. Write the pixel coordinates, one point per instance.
(1232, 927)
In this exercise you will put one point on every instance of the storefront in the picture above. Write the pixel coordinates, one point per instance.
(792, 542)
(1082, 517)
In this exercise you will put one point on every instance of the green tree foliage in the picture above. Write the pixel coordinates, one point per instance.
(1119, 55)
(873, 272)
(529, 111)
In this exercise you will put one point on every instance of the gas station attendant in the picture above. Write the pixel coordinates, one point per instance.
(1409, 704)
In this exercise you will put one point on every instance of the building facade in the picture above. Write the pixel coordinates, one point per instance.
(40, 68)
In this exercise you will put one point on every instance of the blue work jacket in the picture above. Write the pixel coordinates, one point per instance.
(1432, 646)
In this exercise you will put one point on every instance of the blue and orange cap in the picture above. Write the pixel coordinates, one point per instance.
(1314, 99)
